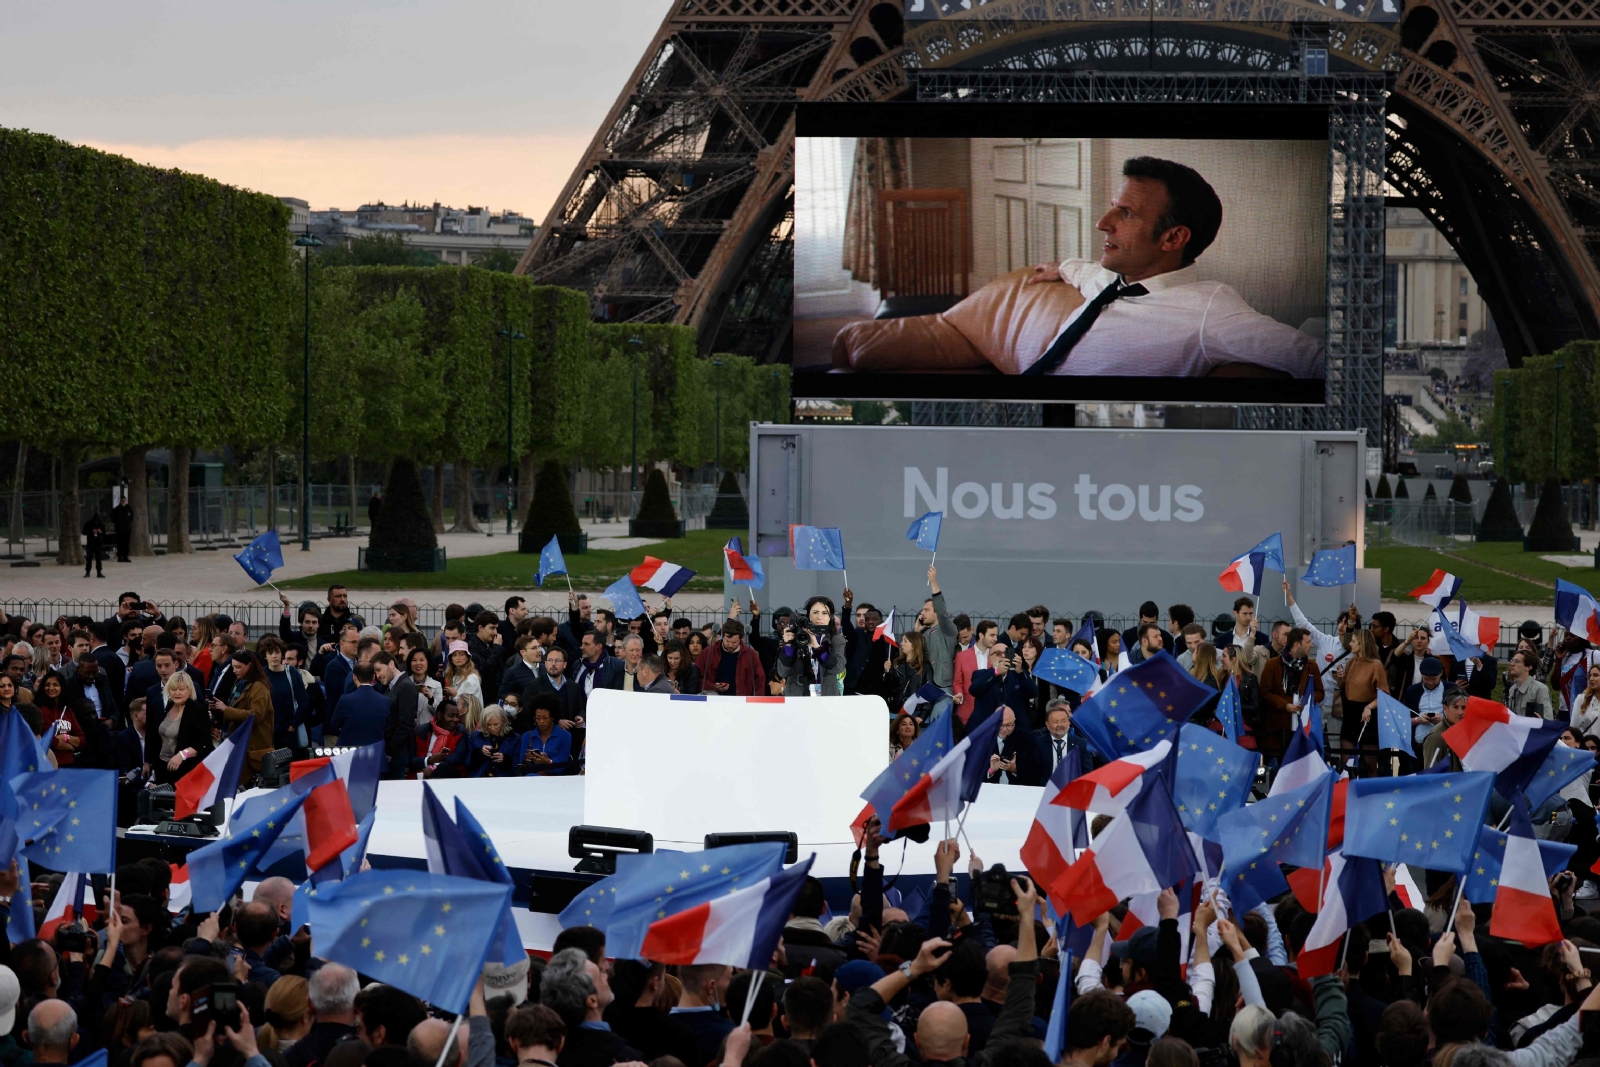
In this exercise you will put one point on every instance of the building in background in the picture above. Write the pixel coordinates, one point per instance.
(1429, 296)
(458, 236)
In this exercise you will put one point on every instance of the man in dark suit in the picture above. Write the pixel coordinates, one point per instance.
(144, 673)
(362, 717)
(111, 665)
(336, 670)
(1476, 675)
(1013, 760)
(553, 681)
(522, 668)
(402, 693)
(596, 668)
(569, 634)
(1056, 741)
(131, 752)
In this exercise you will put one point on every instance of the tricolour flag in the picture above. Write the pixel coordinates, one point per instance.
(1302, 764)
(665, 578)
(740, 929)
(885, 630)
(178, 893)
(217, 776)
(743, 569)
(926, 696)
(1057, 833)
(72, 902)
(1577, 611)
(1483, 877)
(1244, 574)
(931, 779)
(1354, 893)
(1135, 854)
(1438, 590)
(1111, 787)
(1513, 747)
(1086, 634)
(1523, 909)
(1480, 630)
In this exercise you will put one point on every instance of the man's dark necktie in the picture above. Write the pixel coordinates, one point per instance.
(1059, 753)
(1057, 353)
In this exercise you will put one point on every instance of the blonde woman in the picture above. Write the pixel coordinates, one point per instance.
(205, 632)
(1361, 678)
(472, 710)
(288, 1013)
(1207, 668)
(184, 731)
(461, 675)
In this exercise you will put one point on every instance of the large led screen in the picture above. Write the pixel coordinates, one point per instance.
(1091, 255)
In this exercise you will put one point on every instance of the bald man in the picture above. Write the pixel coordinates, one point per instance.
(941, 1034)
(997, 963)
(52, 1031)
(277, 892)
(427, 1040)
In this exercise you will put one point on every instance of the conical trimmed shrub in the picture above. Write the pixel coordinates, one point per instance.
(550, 513)
(1401, 492)
(1500, 516)
(402, 536)
(730, 511)
(1385, 490)
(1368, 484)
(1551, 530)
(656, 517)
(1430, 494)
(1460, 491)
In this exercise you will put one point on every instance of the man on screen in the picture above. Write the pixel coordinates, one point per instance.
(1145, 311)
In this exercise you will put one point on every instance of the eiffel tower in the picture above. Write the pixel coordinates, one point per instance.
(682, 208)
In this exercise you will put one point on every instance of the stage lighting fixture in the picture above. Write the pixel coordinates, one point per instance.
(275, 768)
(786, 837)
(339, 750)
(596, 847)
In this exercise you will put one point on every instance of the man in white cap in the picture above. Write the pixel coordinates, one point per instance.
(1151, 1017)
(11, 1053)
(500, 980)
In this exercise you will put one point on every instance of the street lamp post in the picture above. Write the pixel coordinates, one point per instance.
(512, 336)
(777, 404)
(637, 344)
(716, 367)
(307, 241)
(1556, 437)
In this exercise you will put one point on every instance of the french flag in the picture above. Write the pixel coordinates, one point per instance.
(1481, 630)
(178, 894)
(73, 901)
(1302, 764)
(1086, 635)
(1133, 856)
(1354, 893)
(1438, 590)
(743, 569)
(1244, 574)
(1490, 738)
(1576, 610)
(885, 630)
(359, 769)
(1523, 910)
(949, 783)
(738, 930)
(330, 821)
(1112, 787)
(1144, 910)
(1057, 832)
(926, 694)
(665, 578)
(217, 776)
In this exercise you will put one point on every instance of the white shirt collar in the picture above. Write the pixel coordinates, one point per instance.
(1158, 282)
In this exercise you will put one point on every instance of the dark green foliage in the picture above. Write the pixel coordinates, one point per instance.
(550, 511)
(1550, 530)
(1385, 491)
(499, 259)
(403, 524)
(1430, 494)
(656, 504)
(378, 250)
(730, 511)
(678, 410)
(1401, 492)
(1500, 516)
(1460, 492)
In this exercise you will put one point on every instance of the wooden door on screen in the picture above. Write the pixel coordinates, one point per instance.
(1032, 202)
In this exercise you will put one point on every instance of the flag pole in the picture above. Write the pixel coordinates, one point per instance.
(750, 997)
(450, 1042)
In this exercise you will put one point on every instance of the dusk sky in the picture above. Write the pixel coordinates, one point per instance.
(475, 102)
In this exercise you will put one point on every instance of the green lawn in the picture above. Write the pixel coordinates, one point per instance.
(1482, 567)
(700, 551)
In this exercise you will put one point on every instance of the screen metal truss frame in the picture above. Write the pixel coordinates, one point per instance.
(1356, 143)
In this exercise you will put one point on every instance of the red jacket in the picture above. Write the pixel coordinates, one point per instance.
(749, 680)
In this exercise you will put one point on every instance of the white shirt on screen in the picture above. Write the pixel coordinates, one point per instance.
(1182, 328)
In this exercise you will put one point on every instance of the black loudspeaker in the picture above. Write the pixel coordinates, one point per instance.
(596, 847)
(275, 768)
(786, 837)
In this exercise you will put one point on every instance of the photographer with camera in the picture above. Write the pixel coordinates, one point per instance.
(811, 658)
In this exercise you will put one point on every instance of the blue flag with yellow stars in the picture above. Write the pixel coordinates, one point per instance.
(217, 870)
(624, 599)
(70, 819)
(1229, 712)
(1483, 877)
(817, 548)
(462, 848)
(1562, 766)
(261, 557)
(1140, 707)
(551, 561)
(349, 862)
(1214, 777)
(594, 905)
(428, 934)
(1291, 827)
(674, 883)
(1394, 725)
(1332, 566)
(1428, 820)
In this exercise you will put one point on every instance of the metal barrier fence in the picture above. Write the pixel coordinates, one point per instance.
(233, 515)
(1422, 523)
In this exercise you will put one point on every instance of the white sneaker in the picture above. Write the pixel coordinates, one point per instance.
(1587, 891)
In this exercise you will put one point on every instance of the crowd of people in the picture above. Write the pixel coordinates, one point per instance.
(940, 976)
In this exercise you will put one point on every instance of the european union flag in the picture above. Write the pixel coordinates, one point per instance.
(1229, 712)
(594, 905)
(70, 816)
(289, 835)
(261, 557)
(925, 531)
(1214, 777)
(551, 561)
(1140, 707)
(217, 870)
(1460, 647)
(624, 599)
(679, 882)
(1066, 669)
(20, 927)
(427, 934)
(1394, 724)
(1562, 766)
(1291, 827)
(19, 755)
(1332, 566)
(1426, 820)
(895, 780)
(463, 849)
(1483, 877)
(818, 548)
